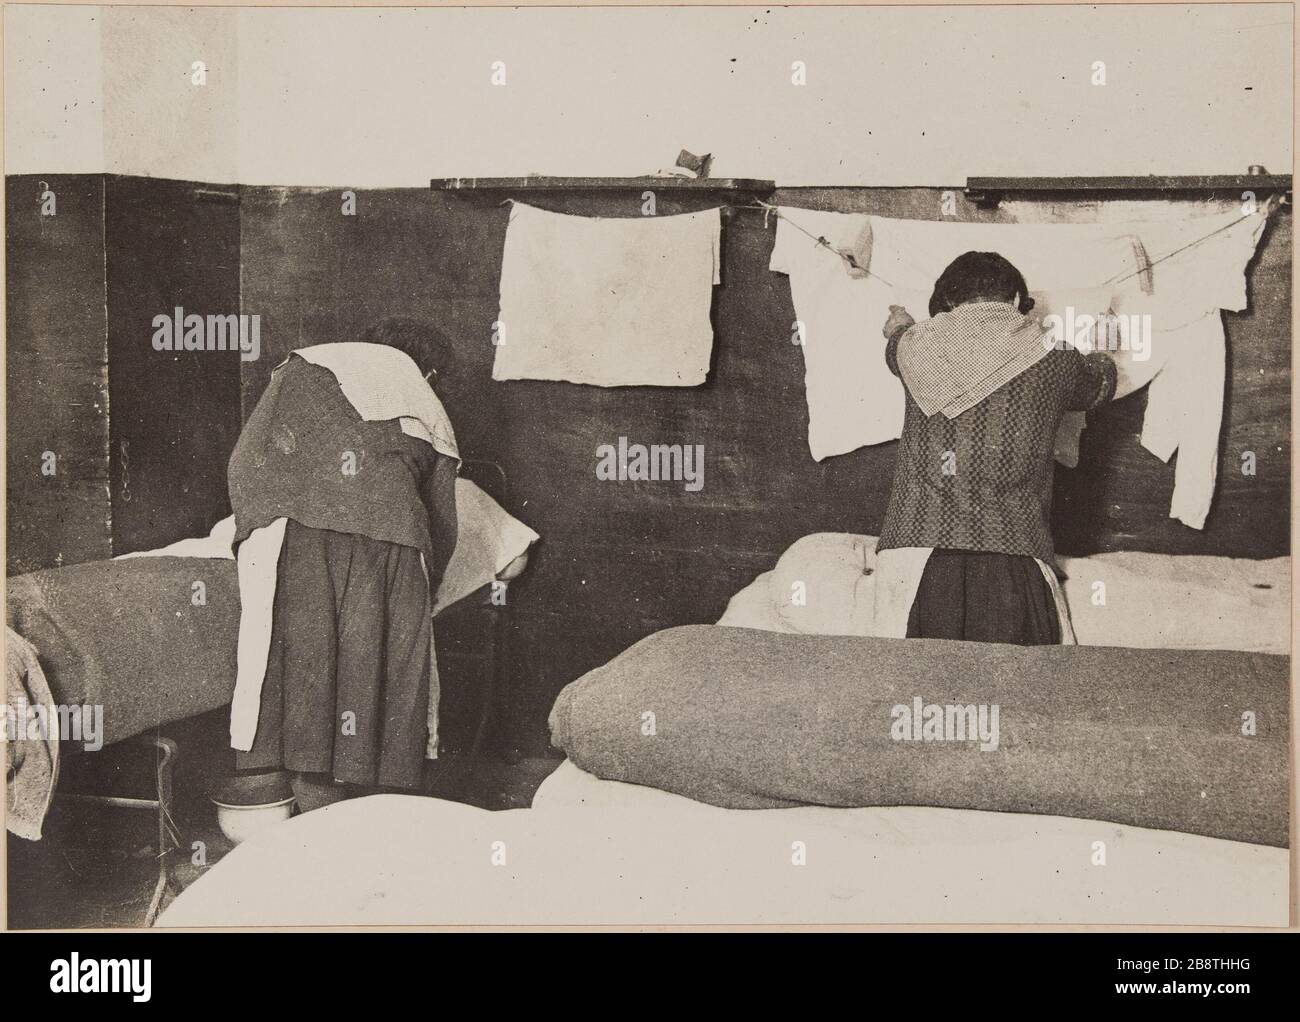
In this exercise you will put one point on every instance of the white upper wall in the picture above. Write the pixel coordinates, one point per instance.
(54, 99)
(158, 122)
(894, 96)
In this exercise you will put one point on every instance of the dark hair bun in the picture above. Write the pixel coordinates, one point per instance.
(428, 346)
(979, 277)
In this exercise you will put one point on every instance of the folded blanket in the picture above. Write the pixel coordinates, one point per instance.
(751, 720)
(31, 760)
(1189, 601)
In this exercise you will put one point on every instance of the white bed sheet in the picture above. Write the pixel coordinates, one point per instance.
(408, 860)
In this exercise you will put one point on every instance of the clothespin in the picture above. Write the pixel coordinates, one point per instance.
(1146, 278)
(846, 256)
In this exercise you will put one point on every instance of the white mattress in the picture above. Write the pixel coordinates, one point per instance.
(646, 857)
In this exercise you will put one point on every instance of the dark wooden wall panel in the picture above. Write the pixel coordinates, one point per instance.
(175, 415)
(56, 373)
(619, 561)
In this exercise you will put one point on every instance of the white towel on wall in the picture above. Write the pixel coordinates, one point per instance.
(609, 302)
(854, 401)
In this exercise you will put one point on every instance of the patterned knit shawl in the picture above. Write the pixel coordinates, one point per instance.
(955, 360)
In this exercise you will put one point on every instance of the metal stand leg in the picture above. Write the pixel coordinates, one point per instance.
(167, 754)
(167, 751)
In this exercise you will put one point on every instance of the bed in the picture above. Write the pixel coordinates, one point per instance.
(151, 636)
(633, 854)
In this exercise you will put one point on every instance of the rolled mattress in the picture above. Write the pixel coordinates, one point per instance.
(1190, 741)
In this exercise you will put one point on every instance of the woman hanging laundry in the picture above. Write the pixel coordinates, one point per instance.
(966, 551)
(343, 489)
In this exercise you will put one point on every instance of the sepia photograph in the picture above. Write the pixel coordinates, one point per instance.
(647, 467)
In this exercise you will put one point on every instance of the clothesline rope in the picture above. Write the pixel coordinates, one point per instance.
(1265, 212)
(773, 210)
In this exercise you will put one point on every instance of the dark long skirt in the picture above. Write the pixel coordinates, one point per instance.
(984, 597)
(347, 679)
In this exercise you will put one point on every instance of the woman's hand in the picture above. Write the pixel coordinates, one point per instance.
(899, 320)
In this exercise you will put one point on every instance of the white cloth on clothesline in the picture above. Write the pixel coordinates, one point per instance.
(1185, 414)
(853, 398)
(1176, 272)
